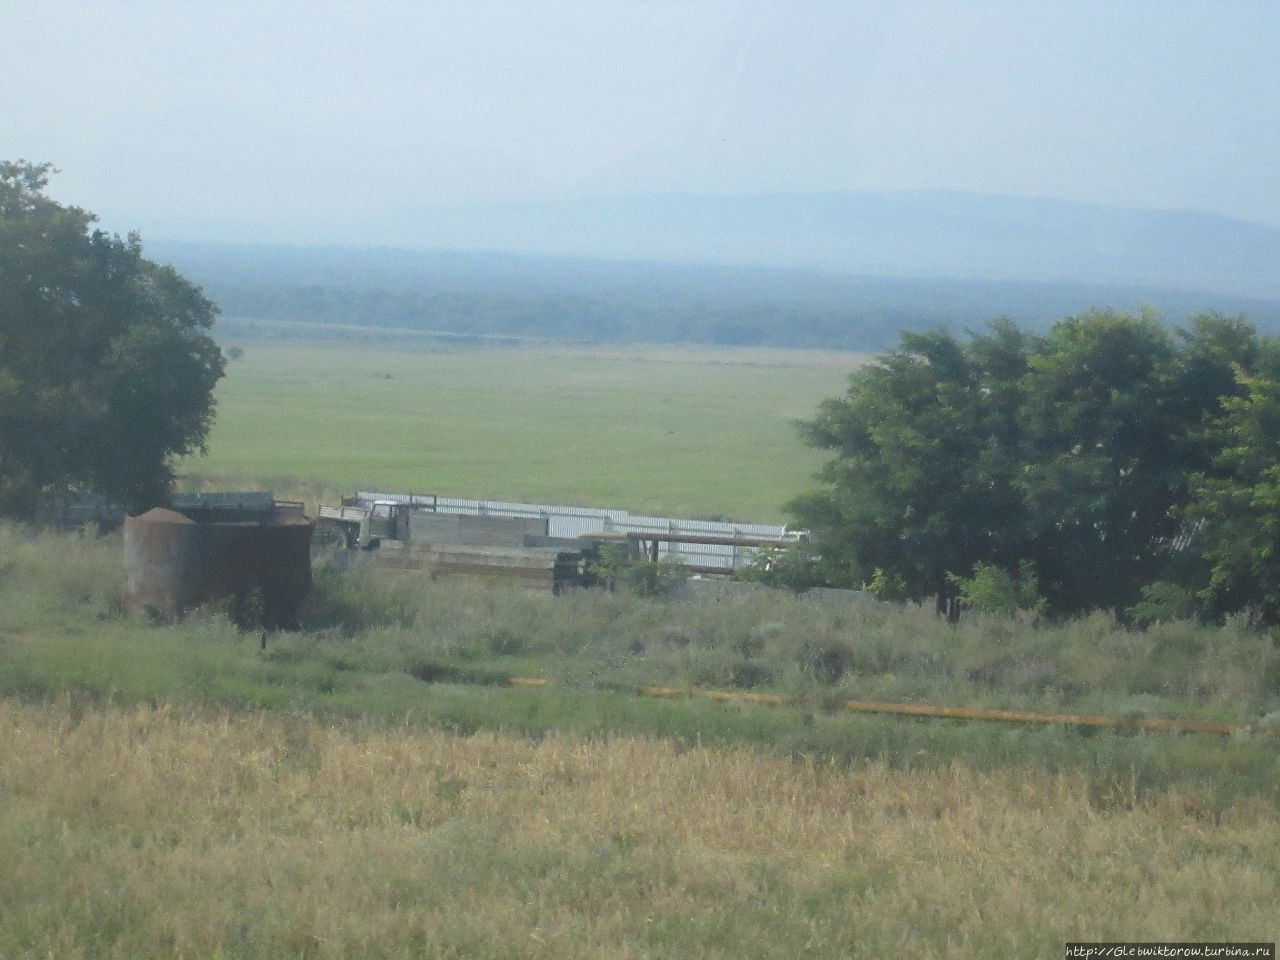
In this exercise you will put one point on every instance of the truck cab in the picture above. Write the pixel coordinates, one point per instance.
(387, 519)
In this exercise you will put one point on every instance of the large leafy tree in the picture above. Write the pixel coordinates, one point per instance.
(1237, 497)
(1119, 418)
(106, 367)
(1103, 468)
(927, 444)
(1070, 456)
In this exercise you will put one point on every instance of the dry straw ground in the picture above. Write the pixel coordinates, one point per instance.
(159, 831)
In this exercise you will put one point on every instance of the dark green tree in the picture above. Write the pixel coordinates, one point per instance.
(1237, 499)
(1104, 461)
(1068, 457)
(106, 368)
(1119, 418)
(927, 443)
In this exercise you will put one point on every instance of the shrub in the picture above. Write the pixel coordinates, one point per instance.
(994, 590)
(55, 575)
(505, 643)
(1164, 601)
(827, 661)
(746, 674)
(791, 567)
(618, 568)
(356, 600)
(887, 586)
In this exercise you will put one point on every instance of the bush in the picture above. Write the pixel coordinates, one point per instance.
(746, 674)
(827, 661)
(994, 590)
(1164, 601)
(618, 568)
(505, 643)
(889, 587)
(791, 567)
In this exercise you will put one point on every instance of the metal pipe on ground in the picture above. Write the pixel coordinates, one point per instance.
(1154, 724)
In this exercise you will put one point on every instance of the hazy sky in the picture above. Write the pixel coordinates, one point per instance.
(167, 116)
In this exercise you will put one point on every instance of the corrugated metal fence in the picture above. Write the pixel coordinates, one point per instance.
(576, 521)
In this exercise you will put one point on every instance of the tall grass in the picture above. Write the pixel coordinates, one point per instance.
(780, 642)
(174, 791)
(58, 579)
(371, 638)
(172, 832)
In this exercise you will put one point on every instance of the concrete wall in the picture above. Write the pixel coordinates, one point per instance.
(443, 528)
(543, 570)
(720, 590)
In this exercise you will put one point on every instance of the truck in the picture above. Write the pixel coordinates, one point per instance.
(414, 536)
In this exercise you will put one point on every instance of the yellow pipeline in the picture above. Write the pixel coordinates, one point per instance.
(951, 713)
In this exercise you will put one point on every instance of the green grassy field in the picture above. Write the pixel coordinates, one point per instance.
(371, 637)
(363, 789)
(175, 791)
(698, 432)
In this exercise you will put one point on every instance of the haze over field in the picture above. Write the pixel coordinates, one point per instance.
(895, 234)
(308, 292)
(1093, 143)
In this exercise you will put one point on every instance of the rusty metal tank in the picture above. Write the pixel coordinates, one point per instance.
(174, 564)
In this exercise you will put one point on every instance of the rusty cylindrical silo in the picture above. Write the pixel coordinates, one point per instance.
(173, 564)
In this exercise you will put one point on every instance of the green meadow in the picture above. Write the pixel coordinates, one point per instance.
(696, 432)
(366, 788)
(372, 785)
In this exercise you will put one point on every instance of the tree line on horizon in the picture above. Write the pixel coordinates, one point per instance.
(265, 291)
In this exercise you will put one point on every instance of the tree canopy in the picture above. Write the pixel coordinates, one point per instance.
(1102, 457)
(106, 369)
(1237, 499)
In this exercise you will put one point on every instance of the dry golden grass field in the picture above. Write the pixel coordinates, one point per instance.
(176, 832)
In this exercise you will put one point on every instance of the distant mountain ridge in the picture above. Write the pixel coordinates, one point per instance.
(930, 234)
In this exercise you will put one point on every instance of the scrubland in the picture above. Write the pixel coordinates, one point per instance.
(177, 791)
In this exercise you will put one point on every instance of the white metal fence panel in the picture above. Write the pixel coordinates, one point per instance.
(572, 521)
